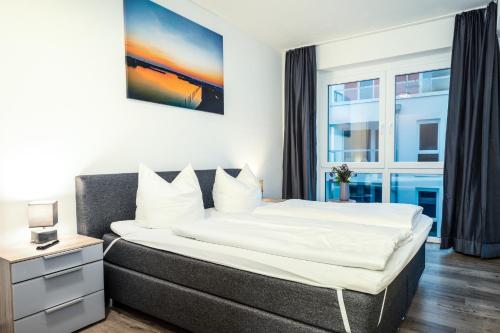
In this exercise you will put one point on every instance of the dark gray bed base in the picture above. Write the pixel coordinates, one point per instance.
(299, 306)
(205, 297)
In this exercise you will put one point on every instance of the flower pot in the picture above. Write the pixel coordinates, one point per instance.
(344, 192)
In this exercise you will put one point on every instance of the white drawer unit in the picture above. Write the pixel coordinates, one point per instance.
(60, 289)
(50, 290)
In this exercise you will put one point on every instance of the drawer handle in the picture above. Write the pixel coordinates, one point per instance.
(55, 255)
(53, 275)
(63, 306)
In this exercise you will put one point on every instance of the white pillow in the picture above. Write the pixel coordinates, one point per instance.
(161, 204)
(236, 195)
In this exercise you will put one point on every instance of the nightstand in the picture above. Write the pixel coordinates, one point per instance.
(60, 289)
(275, 200)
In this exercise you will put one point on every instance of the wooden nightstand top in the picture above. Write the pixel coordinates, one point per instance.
(25, 250)
(273, 200)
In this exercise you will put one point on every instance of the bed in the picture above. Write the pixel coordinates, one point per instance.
(203, 296)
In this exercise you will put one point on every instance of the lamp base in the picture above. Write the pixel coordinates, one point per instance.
(43, 235)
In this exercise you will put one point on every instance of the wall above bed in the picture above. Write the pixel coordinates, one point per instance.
(64, 111)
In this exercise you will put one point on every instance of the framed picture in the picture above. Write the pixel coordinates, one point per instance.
(171, 60)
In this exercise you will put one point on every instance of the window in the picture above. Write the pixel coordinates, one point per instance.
(368, 89)
(421, 96)
(364, 187)
(420, 189)
(428, 132)
(388, 123)
(424, 82)
(353, 121)
(428, 200)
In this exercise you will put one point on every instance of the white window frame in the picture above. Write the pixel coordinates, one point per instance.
(386, 72)
(413, 66)
(332, 78)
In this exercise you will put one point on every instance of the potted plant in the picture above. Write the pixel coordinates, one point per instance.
(342, 176)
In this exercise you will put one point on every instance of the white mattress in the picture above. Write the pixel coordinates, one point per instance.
(302, 271)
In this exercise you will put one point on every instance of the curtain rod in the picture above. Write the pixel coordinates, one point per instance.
(432, 19)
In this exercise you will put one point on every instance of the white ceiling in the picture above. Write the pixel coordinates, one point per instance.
(285, 24)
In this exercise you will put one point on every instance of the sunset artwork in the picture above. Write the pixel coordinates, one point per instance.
(172, 60)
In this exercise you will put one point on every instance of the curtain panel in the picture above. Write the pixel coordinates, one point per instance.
(471, 207)
(299, 150)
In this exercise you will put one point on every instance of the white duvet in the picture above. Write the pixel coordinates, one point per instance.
(378, 214)
(339, 243)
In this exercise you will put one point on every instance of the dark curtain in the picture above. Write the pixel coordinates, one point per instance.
(299, 151)
(471, 211)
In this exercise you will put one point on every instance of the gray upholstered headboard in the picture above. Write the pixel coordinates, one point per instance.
(102, 199)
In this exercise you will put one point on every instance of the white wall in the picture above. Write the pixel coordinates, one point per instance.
(425, 37)
(63, 109)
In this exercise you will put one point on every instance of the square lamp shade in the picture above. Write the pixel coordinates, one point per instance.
(42, 214)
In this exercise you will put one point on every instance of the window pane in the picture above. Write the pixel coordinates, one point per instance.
(420, 114)
(353, 120)
(364, 187)
(422, 190)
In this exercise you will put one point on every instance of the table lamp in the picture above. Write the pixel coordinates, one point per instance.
(42, 214)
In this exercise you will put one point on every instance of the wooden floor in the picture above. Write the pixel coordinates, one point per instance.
(457, 293)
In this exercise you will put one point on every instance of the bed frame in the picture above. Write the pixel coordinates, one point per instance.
(204, 297)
